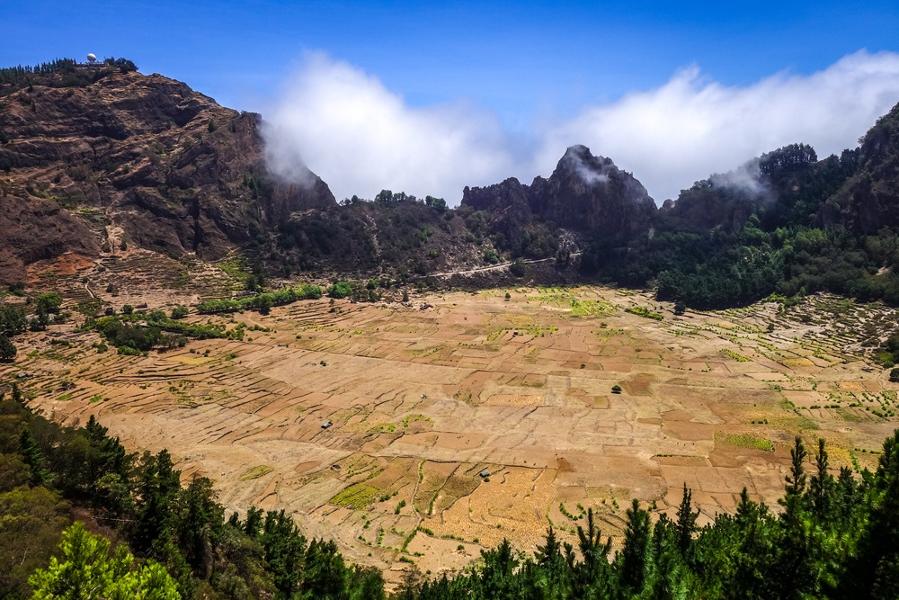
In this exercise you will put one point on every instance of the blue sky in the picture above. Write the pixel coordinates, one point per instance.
(517, 58)
(531, 65)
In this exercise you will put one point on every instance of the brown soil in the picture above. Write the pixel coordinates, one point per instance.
(423, 400)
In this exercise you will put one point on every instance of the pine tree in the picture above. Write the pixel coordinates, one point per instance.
(593, 572)
(874, 572)
(796, 479)
(284, 549)
(686, 521)
(253, 524)
(550, 551)
(636, 542)
(795, 576)
(200, 525)
(821, 484)
(496, 574)
(158, 484)
(33, 457)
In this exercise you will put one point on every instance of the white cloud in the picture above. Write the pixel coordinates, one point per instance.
(360, 137)
(691, 127)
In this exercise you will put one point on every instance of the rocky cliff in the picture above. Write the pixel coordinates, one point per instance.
(869, 199)
(102, 157)
(585, 193)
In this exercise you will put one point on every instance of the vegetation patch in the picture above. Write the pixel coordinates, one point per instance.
(235, 267)
(530, 329)
(256, 472)
(591, 308)
(262, 302)
(642, 311)
(356, 496)
(734, 355)
(745, 440)
(136, 332)
(409, 419)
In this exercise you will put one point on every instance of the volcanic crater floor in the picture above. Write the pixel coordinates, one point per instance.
(466, 418)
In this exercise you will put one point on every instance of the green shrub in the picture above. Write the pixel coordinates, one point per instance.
(263, 301)
(48, 303)
(340, 289)
(7, 349)
(642, 311)
(12, 319)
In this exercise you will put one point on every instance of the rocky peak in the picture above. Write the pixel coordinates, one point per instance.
(585, 193)
(497, 197)
(869, 199)
(590, 193)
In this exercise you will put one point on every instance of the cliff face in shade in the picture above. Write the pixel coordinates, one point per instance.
(585, 193)
(590, 193)
(869, 199)
(164, 166)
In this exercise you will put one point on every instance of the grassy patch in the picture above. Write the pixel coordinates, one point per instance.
(531, 329)
(383, 428)
(591, 308)
(642, 311)
(745, 440)
(235, 267)
(405, 423)
(563, 298)
(356, 496)
(409, 419)
(734, 355)
(256, 472)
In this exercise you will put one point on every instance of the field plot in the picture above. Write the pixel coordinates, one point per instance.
(423, 433)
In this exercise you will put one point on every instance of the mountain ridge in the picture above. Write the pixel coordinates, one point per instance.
(97, 159)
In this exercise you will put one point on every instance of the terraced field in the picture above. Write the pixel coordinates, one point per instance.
(474, 417)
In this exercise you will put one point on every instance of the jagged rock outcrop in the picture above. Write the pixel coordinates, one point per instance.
(869, 199)
(143, 154)
(585, 193)
(590, 193)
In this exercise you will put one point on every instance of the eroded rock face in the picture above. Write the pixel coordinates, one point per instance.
(869, 200)
(169, 166)
(36, 229)
(585, 193)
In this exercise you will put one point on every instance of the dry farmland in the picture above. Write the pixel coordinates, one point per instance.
(422, 399)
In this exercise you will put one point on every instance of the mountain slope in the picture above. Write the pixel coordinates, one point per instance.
(134, 159)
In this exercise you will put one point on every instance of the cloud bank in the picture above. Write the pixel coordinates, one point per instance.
(361, 137)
